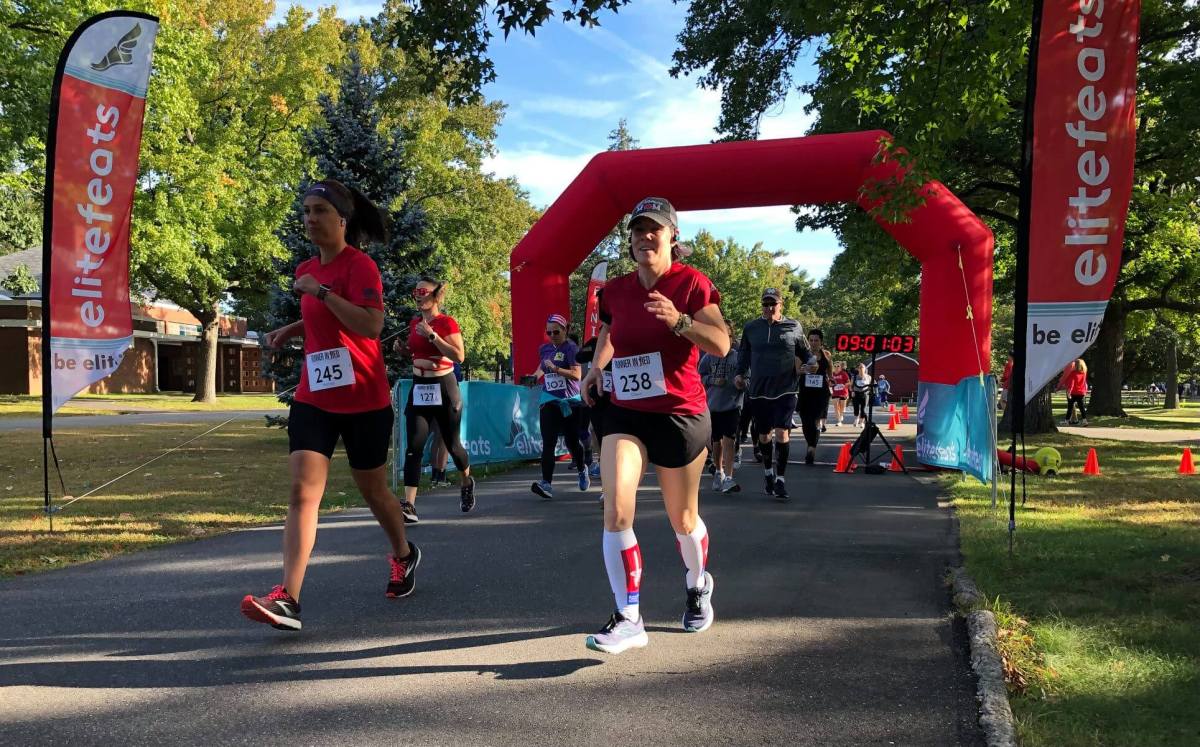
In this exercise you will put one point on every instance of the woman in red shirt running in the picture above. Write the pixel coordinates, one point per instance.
(655, 321)
(343, 392)
(435, 343)
(840, 388)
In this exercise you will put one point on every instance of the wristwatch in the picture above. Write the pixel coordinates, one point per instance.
(322, 291)
(682, 325)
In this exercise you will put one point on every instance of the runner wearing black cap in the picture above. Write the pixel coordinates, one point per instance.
(771, 345)
(343, 392)
(655, 320)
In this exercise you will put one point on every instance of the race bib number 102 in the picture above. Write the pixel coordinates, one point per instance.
(638, 377)
(329, 369)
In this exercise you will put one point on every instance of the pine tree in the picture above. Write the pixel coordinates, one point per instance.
(351, 147)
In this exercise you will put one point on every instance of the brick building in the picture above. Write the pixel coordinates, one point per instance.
(163, 358)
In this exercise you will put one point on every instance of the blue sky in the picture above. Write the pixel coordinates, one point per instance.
(566, 88)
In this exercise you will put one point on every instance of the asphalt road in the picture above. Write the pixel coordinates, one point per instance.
(832, 628)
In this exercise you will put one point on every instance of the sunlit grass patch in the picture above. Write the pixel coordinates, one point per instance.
(1099, 599)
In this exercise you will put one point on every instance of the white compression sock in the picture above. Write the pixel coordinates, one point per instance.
(623, 561)
(694, 549)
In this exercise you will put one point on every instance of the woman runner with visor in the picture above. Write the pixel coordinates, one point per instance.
(654, 321)
(435, 343)
(343, 392)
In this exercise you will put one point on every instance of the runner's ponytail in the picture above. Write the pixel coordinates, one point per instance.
(367, 224)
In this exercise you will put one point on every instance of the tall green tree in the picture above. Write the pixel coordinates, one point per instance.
(741, 273)
(228, 103)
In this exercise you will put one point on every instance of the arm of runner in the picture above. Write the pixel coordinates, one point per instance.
(595, 374)
(276, 338)
(743, 363)
(452, 347)
(708, 331)
(361, 320)
(574, 373)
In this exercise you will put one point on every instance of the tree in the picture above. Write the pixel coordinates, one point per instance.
(949, 82)
(20, 213)
(350, 145)
(229, 100)
(473, 219)
(740, 274)
(20, 282)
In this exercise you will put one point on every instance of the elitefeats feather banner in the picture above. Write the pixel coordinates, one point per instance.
(97, 107)
(1083, 148)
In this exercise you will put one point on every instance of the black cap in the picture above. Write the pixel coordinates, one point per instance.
(657, 209)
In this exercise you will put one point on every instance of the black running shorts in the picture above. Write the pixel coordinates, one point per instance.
(773, 413)
(671, 440)
(367, 436)
(725, 424)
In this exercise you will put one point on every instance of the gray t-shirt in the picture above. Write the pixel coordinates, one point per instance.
(721, 397)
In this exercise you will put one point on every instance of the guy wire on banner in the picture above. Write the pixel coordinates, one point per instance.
(1016, 397)
(173, 449)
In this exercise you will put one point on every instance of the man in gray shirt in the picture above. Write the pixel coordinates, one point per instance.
(724, 407)
(771, 346)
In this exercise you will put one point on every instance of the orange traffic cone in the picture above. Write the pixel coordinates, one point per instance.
(898, 462)
(904, 412)
(1092, 465)
(892, 407)
(844, 462)
(892, 423)
(1185, 464)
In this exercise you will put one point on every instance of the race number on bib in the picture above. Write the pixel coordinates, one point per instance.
(427, 395)
(329, 369)
(607, 382)
(555, 383)
(814, 380)
(639, 377)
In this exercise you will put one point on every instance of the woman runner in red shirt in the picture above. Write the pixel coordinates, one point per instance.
(435, 343)
(343, 392)
(654, 323)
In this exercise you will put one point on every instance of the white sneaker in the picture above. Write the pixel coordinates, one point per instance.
(729, 486)
(718, 479)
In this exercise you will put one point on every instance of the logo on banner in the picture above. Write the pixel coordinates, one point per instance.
(122, 54)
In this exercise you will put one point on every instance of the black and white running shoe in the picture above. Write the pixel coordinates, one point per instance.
(409, 511)
(403, 578)
(467, 496)
(277, 609)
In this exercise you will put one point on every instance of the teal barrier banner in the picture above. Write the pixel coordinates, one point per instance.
(955, 425)
(499, 424)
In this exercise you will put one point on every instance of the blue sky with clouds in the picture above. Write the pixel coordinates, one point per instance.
(566, 88)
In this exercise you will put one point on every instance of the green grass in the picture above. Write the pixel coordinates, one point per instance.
(1187, 415)
(234, 477)
(18, 405)
(1100, 598)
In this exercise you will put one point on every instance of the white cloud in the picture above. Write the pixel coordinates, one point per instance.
(566, 106)
(544, 175)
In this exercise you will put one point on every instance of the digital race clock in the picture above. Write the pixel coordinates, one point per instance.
(861, 343)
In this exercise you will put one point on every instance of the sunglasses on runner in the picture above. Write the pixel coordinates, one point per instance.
(553, 332)
(421, 292)
(770, 303)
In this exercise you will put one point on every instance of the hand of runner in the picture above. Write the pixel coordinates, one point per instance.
(662, 308)
(306, 284)
(274, 339)
(548, 365)
(423, 328)
(594, 378)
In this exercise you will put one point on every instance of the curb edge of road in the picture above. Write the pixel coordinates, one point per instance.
(995, 714)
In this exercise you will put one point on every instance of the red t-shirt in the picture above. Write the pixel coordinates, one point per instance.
(420, 346)
(353, 276)
(840, 379)
(635, 331)
(1075, 382)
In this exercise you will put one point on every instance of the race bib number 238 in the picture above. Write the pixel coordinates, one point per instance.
(638, 377)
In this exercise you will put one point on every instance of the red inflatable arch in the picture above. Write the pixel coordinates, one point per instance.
(808, 170)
